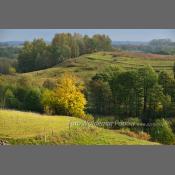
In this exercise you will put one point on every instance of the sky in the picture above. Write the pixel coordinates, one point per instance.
(114, 34)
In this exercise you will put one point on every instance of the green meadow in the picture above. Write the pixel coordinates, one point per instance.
(31, 128)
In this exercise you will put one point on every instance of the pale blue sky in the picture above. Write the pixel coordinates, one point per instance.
(114, 34)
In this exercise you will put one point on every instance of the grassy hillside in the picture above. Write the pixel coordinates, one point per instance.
(30, 128)
(88, 65)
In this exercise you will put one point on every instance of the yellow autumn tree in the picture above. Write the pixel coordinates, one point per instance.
(67, 98)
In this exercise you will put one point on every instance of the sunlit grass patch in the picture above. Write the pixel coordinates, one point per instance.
(31, 128)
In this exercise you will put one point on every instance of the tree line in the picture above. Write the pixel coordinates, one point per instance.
(62, 97)
(9, 52)
(8, 59)
(155, 46)
(141, 93)
(38, 54)
(140, 96)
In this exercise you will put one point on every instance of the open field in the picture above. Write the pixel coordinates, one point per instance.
(30, 128)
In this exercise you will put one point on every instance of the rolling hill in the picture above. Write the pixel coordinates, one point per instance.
(30, 128)
(88, 65)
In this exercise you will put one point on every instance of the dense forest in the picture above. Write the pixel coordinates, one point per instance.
(143, 94)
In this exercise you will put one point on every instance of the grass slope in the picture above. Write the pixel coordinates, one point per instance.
(88, 65)
(30, 128)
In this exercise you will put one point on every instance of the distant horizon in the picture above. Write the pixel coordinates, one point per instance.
(113, 41)
(50, 41)
(129, 35)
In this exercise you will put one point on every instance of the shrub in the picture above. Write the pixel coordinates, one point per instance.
(10, 100)
(48, 102)
(33, 100)
(144, 136)
(12, 70)
(25, 81)
(135, 124)
(172, 124)
(162, 132)
(105, 119)
(106, 122)
(49, 84)
(88, 117)
(138, 135)
(7, 66)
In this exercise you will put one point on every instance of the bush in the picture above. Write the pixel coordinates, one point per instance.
(172, 124)
(135, 124)
(49, 84)
(162, 132)
(106, 122)
(88, 117)
(10, 100)
(12, 70)
(138, 135)
(33, 100)
(7, 66)
(105, 119)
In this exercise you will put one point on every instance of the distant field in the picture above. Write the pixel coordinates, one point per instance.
(30, 128)
(88, 65)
